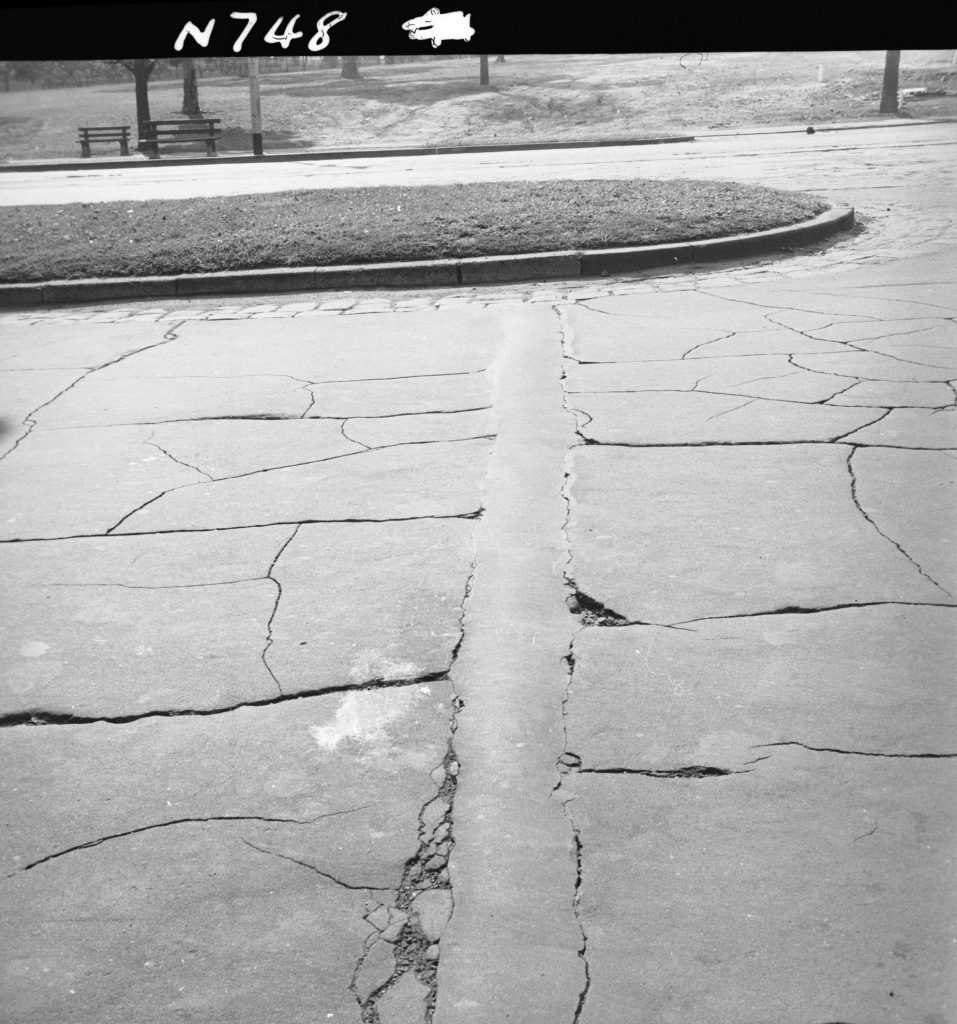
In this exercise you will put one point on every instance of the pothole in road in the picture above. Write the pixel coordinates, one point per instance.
(592, 612)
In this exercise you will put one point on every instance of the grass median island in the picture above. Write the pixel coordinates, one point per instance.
(341, 226)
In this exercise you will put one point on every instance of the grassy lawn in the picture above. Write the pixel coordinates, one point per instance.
(316, 228)
(539, 98)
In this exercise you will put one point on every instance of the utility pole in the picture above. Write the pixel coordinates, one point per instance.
(256, 114)
(890, 102)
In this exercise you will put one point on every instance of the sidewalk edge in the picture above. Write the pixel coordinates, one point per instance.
(97, 164)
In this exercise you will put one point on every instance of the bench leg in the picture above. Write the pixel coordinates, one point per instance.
(124, 148)
(210, 148)
(85, 149)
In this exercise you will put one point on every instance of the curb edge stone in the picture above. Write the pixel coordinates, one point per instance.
(433, 273)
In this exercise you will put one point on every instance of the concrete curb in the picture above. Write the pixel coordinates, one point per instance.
(433, 273)
(96, 164)
(107, 163)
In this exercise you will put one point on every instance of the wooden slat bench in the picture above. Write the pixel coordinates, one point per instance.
(155, 133)
(105, 133)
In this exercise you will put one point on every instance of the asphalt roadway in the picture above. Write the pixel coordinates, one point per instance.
(405, 656)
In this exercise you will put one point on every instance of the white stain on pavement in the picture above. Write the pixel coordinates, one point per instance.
(34, 649)
(373, 665)
(363, 719)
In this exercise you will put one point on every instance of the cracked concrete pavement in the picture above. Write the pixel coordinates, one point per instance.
(567, 653)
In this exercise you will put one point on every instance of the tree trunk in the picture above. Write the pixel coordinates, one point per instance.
(889, 97)
(390, 58)
(483, 69)
(190, 89)
(141, 71)
(350, 67)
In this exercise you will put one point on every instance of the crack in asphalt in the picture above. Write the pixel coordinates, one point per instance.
(694, 771)
(166, 586)
(474, 514)
(275, 607)
(173, 458)
(260, 416)
(38, 717)
(694, 389)
(900, 548)
(427, 869)
(862, 426)
(312, 867)
(29, 420)
(407, 376)
(870, 352)
(342, 430)
(735, 408)
(804, 610)
(415, 412)
(713, 341)
(292, 465)
(177, 821)
(839, 750)
(577, 601)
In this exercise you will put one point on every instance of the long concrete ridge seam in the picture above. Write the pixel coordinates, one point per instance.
(434, 273)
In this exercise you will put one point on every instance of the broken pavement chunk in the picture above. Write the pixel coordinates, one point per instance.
(433, 908)
(376, 969)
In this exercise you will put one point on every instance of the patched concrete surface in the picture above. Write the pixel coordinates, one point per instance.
(91, 939)
(365, 602)
(101, 402)
(23, 392)
(431, 479)
(211, 865)
(659, 417)
(226, 720)
(224, 448)
(327, 689)
(920, 394)
(96, 480)
(760, 376)
(760, 783)
(725, 693)
(442, 393)
(666, 535)
(387, 430)
(336, 780)
(812, 888)
(911, 496)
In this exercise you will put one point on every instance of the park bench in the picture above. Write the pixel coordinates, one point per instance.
(105, 133)
(197, 129)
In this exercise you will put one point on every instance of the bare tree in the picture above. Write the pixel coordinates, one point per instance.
(141, 70)
(890, 101)
(190, 89)
(350, 67)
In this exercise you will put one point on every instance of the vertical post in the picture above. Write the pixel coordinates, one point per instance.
(256, 116)
(890, 98)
